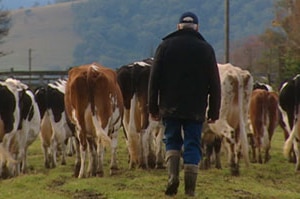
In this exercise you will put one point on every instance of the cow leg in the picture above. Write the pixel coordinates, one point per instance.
(46, 156)
(63, 153)
(92, 166)
(144, 150)
(54, 147)
(259, 155)
(217, 149)
(148, 154)
(82, 160)
(151, 157)
(259, 147)
(77, 157)
(208, 154)
(133, 148)
(159, 151)
(24, 161)
(267, 155)
(70, 146)
(227, 147)
(267, 150)
(100, 157)
(296, 145)
(234, 162)
(253, 148)
(83, 150)
(114, 144)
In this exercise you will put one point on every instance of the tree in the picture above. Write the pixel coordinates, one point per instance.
(247, 53)
(278, 56)
(283, 39)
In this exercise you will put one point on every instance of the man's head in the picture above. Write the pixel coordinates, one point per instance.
(188, 20)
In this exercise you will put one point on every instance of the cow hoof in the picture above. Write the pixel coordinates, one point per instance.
(47, 165)
(160, 166)
(218, 166)
(143, 166)
(113, 172)
(100, 174)
(235, 170)
(76, 170)
(132, 165)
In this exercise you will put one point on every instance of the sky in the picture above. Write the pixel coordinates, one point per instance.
(16, 4)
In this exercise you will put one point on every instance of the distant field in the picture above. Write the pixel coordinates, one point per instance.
(48, 31)
(275, 180)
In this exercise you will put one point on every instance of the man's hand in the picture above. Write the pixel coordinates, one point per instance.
(155, 117)
(210, 121)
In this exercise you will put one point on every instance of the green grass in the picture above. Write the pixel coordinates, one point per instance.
(274, 180)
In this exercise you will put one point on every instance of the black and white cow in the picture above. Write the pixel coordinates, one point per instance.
(263, 86)
(289, 101)
(20, 121)
(144, 136)
(56, 128)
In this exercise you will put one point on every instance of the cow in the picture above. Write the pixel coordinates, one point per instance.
(264, 86)
(7, 162)
(22, 115)
(236, 87)
(94, 103)
(289, 101)
(282, 123)
(211, 143)
(56, 128)
(143, 135)
(10, 117)
(264, 117)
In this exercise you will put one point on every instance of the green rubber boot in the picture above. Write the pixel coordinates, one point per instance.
(190, 178)
(173, 163)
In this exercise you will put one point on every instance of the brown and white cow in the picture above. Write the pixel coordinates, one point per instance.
(144, 136)
(289, 101)
(56, 128)
(19, 110)
(236, 86)
(211, 143)
(264, 117)
(94, 103)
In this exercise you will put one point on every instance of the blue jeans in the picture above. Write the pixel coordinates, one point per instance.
(190, 140)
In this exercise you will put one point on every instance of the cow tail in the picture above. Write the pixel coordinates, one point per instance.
(243, 134)
(92, 75)
(91, 87)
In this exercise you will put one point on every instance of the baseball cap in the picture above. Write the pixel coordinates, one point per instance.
(188, 17)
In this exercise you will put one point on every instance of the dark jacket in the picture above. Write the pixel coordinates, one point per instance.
(184, 78)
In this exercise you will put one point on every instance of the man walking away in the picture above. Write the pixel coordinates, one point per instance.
(184, 80)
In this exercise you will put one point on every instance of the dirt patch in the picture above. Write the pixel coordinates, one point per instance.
(61, 180)
(242, 194)
(88, 194)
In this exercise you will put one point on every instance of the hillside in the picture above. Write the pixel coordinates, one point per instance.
(48, 31)
(118, 32)
(16, 4)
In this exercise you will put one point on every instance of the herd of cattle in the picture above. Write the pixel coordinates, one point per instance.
(87, 110)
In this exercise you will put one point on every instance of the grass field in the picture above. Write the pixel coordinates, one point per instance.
(274, 180)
